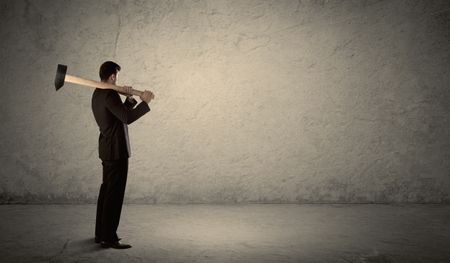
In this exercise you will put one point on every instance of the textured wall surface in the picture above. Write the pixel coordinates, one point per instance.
(256, 101)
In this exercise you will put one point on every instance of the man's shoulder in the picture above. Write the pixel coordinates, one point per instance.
(99, 98)
(104, 92)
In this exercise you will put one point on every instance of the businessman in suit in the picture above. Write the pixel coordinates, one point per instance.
(113, 117)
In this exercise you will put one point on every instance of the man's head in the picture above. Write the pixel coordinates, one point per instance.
(108, 72)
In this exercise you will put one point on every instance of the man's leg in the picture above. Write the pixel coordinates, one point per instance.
(115, 176)
(100, 202)
(121, 185)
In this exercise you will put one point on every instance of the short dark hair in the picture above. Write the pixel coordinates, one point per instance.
(107, 69)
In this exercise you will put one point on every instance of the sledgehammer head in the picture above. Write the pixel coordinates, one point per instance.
(60, 76)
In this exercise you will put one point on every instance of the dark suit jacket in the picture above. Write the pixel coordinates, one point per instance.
(111, 115)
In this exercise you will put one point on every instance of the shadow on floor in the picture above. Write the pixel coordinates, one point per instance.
(76, 248)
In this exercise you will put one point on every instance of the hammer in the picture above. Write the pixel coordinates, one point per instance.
(62, 77)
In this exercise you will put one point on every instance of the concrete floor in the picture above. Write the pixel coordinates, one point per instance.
(230, 233)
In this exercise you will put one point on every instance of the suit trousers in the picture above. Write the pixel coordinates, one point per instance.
(110, 199)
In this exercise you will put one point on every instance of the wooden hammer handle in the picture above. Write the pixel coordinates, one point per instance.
(98, 84)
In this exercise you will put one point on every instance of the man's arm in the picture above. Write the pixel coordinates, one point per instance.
(125, 115)
(130, 102)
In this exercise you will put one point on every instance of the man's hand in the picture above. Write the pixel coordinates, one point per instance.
(126, 90)
(147, 96)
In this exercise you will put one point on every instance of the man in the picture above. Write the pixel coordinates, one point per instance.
(112, 117)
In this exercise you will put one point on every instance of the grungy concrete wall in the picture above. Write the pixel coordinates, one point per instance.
(256, 101)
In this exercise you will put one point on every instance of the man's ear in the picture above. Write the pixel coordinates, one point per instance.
(113, 77)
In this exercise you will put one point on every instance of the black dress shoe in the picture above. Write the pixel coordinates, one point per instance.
(97, 240)
(116, 245)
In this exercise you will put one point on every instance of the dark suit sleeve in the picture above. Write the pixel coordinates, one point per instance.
(130, 102)
(125, 115)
